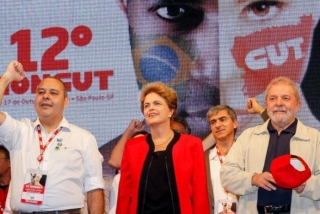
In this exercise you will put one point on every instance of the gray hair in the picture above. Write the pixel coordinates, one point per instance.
(285, 80)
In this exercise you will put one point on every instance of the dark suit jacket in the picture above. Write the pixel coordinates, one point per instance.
(209, 183)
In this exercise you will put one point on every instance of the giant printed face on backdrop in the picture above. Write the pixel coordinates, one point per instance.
(260, 40)
(209, 60)
(176, 42)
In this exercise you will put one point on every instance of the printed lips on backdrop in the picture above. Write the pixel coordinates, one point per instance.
(272, 52)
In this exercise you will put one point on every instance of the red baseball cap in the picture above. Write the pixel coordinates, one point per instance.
(286, 175)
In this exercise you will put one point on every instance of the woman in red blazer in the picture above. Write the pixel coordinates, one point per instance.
(162, 172)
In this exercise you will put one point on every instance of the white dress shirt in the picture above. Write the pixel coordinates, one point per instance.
(114, 194)
(72, 170)
(218, 191)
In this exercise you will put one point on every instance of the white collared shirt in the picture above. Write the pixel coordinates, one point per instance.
(218, 191)
(114, 194)
(72, 170)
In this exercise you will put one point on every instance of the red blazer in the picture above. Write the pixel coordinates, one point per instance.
(189, 173)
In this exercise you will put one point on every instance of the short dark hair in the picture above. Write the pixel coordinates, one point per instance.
(183, 122)
(5, 152)
(63, 84)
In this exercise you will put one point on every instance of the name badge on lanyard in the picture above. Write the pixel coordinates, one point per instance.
(35, 179)
(226, 206)
(34, 187)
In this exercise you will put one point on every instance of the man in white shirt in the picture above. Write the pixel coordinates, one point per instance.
(65, 155)
(223, 123)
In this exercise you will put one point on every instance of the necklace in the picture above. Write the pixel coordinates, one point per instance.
(161, 146)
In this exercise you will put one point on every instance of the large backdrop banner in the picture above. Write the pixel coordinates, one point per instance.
(86, 44)
(211, 52)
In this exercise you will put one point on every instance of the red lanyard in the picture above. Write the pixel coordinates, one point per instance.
(219, 155)
(43, 148)
(221, 162)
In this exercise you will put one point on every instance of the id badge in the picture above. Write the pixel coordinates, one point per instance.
(226, 206)
(34, 187)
